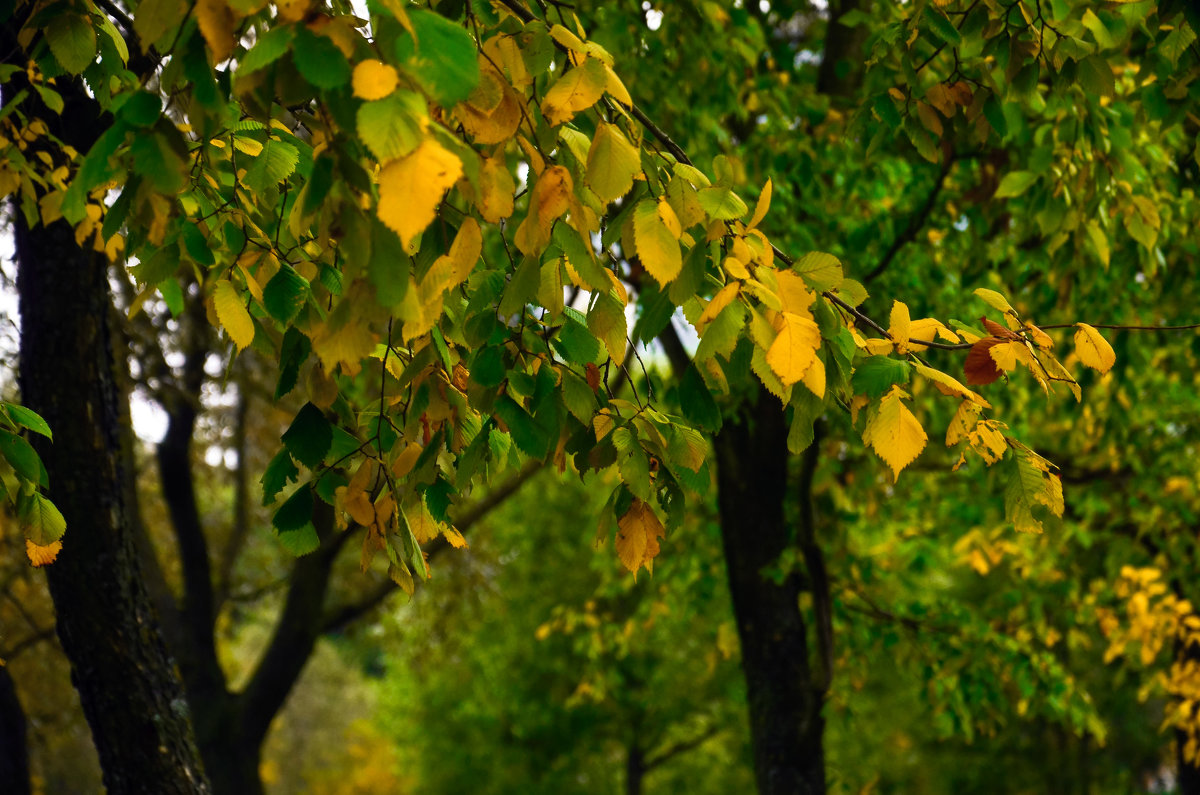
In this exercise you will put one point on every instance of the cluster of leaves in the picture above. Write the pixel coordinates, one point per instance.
(443, 225)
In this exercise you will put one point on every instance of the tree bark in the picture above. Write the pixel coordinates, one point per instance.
(119, 663)
(785, 700)
(14, 752)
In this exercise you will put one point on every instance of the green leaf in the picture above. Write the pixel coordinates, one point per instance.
(443, 57)
(1095, 77)
(280, 471)
(301, 541)
(269, 48)
(27, 418)
(293, 351)
(320, 61)
(142, 109)
(806, 410)
(1015, 183)
(696, 401)
(72, 39)
(876, 375)
(391, 127)
(821, 271)
(156, 159)
(578, 397)
(285, 294)
(156, 18)
(721, 335)
(274, 164)
(40, 519)
(296, 511)
(309, 437)
(24, 460)
(722, 203)
(632, 463)
(528, 435)
(942, 27)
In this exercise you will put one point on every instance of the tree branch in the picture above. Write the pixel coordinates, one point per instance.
(682, 747)
(916, 222)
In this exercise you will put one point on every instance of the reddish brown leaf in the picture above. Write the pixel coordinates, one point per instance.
(996, 330)
(980, 368)
(593, 377)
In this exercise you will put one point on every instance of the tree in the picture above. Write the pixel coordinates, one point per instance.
(406, 210)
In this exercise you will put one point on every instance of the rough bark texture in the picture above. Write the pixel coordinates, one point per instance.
(119, 663)
(785, 700)
(14, 752)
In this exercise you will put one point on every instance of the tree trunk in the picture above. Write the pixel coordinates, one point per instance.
(14, 752)
(130, 694)
(785, 700)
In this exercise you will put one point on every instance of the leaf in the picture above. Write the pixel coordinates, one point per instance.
(279, 472)
(761, 206)
(274, 164)
(607, 321)
(876, 375)
(941, 26)
(612, 163)
(1014, 184)
(995, 300)
(285, 294)
(894, 433)
(296, 510)
(1093, 350)
(319, 61)
(948, 385)
(232, 314)
(721, 203)
(656, 245)
(42, 555)
(980, 368)
(28, 418)
(443, 56)
(577, 90)
(309, 437)
(687, 447)
(899, 325)
(551, 198)
(820, 270)
(411, 188)
(1031, 484)
(638, 531)
(72, 40)
(23, 459)
(40, 519)
(217, 23)
(391, 127)
(724, 297)
(267, 49)
(794, 348)
(696, 401)
(373, 79)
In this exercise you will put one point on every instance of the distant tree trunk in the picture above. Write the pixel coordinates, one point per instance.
(785, 699)
(14, 752)
(635, 768)
(119, 664)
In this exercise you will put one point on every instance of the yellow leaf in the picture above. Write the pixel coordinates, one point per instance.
(814, 377)
(666, 214)
(42, 555)
(894, 433)
(795, 348)
(343, 340)
(217, 22)
(948, 385)
(374, 79)
(465, 251)
(760, 208)
(293, 10)
(1093, 350)
(405, 461)
(963, 422)
(794, 295)
(900, 326)
(994, 299)
(232, 314)
(577, 90)
(496, 188)
(454, 537)
(550, 199)
(612, 163)
(411, 187)
(638, 532)
(927, 329)
(615, 88)
(656, 246)
(722, 299)
(424, 527)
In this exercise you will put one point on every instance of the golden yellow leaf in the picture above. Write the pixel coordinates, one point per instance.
(345, 341)
(612, 163)
(455, 538)
(722, 299)
(927, 329)
(405, 461)
(900, 325)
(638, 532)
(794, 295)
(424, 527)
(1093, 350)
(411, 187)
(761, 207)
(994, 299)
(795, 347)
(615, 88)
(656, 246)
(465, 251)
(496, 188)
(232, 314)
(42, 555)
(217, 22)
(963, 422)
(293, 10)
(577, 90)
(894, 433)
(814, 377)
(374, 79)
(550, 199)
(948, 385)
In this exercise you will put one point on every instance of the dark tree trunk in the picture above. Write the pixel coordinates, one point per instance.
(785, 698)
(14, 752)
(635, 769)
(119, 663)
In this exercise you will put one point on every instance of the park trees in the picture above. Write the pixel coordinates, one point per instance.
(397, 213)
